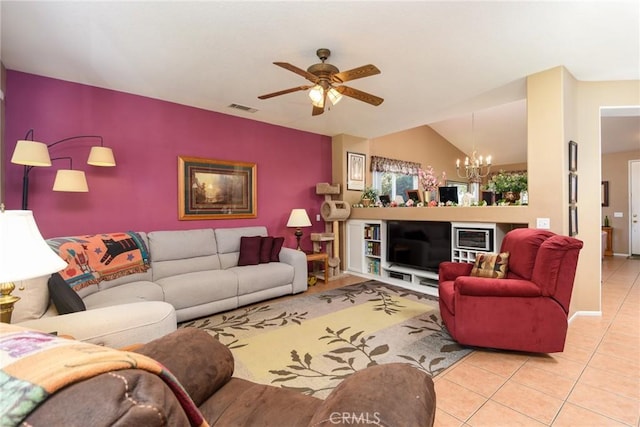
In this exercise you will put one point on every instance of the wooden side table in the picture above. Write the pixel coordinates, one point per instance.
(313, 257)
(608, 250)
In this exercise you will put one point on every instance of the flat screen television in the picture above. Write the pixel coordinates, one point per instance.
(422, 245)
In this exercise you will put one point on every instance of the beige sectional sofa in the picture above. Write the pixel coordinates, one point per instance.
(194, 273)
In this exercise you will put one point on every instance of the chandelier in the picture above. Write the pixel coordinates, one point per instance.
(476, 167)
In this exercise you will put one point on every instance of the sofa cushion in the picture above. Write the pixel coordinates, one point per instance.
(249, 250)
(491, 265)
(254, 278)
(275, 249)
(228, 239)
(114, 326)
(182, 251)
(34, 299)
(266, 244)
(64, 298)
(199, 287)
(181, 244)
(210, 363)
(125, 294)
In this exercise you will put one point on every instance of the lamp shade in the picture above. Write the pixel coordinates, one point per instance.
(101, 156)
(334, 96)
(70, 180)
(317, 96)
(298, 218)
(24, 254)
(31, 153)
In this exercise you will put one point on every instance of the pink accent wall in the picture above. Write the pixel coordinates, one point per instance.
(147, 136)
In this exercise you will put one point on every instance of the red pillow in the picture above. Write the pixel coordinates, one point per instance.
(265, 249)
(275, 249)
(249, 250)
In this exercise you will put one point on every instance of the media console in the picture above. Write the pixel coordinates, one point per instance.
(407, 253)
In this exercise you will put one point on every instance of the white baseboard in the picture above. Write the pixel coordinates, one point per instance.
(585, 314)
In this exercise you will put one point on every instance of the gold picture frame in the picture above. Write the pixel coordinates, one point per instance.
(216, 189)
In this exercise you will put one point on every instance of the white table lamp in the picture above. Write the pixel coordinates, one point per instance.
(298, 218)
(24, 254)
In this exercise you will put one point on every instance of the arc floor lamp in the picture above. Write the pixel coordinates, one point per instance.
(32, 154)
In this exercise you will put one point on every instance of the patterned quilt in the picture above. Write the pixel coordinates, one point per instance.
(98, 257)
(34, 365)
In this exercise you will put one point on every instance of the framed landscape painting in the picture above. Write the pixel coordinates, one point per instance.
(216, 189)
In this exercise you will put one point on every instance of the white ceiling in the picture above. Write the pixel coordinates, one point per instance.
(439, 60)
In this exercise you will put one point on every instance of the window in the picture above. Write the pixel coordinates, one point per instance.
(394, 184)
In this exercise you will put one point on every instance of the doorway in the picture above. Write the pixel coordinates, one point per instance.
(620, 140)
(634, 207)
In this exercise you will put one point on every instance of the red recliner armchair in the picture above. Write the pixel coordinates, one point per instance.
(527, 310)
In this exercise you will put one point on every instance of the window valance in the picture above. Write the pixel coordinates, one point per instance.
(384, 164)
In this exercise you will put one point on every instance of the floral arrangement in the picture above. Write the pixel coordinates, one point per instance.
(428, 179)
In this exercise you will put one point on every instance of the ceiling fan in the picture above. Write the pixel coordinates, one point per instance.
(323, 76)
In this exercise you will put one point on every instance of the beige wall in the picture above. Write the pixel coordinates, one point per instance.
(3, 87)
(559, 109)
(615, 169)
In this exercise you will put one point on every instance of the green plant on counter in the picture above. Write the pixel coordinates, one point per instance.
(508, 181)
(369, 193)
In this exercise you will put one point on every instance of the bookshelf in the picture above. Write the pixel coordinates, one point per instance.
(372, 248)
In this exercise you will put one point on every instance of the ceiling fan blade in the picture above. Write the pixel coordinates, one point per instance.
(307, 75)
(360, 95)
(284, 92)
(317, 111)
(356, 73)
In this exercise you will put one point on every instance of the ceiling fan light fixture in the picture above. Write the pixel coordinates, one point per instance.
(316, 94)
(334, 96)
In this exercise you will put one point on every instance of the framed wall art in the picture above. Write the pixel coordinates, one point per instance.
(573, 188)
(604, 193)
(356, 164)
(573, 156)
(216, 189)
(573, 220)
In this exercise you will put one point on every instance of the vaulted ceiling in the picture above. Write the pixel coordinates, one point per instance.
(440, 61)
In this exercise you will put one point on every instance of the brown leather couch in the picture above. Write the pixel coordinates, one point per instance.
(388, 395)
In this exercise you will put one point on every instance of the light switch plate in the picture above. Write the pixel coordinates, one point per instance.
(317, 217)
(543, 223)
(618, 214)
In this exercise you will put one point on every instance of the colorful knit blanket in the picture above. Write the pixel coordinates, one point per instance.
(34, 365)
(98, 257)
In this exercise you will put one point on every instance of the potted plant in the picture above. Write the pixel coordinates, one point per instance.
(369, 196)
(509, 184)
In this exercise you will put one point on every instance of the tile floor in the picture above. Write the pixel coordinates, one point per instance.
(594, 382)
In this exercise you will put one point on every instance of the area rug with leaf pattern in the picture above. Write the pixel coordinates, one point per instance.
(311, 343)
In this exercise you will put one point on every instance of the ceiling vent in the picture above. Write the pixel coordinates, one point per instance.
(243, 108)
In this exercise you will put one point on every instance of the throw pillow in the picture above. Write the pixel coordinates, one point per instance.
(249, 250)
(491, 265)
(275, 249)
(64, 298)
(34, 299)
(265, 249)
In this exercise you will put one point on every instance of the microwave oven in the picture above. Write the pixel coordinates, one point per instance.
(474, 239)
